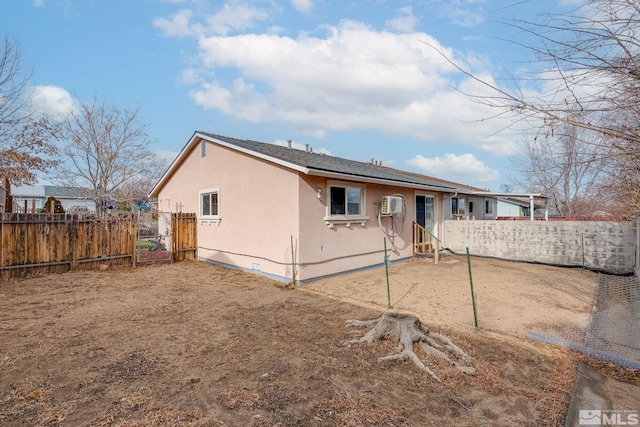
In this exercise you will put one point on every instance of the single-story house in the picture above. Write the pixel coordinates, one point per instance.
(521, 206)
(299, 215)
(32, 198)
(469, 203)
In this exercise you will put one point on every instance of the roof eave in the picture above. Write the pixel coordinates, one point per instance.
(293, 166)
(372, 180)
(498, 194)
(199, 136)
(173, 166)
(289, 165)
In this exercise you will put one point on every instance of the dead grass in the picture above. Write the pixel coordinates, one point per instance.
(192, 344)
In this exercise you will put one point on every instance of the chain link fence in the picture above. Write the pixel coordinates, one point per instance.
(614, 327)
(613, 330)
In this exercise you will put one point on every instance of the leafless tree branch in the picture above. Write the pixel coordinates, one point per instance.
(107, 152)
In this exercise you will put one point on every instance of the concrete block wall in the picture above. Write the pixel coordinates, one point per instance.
(600, 245)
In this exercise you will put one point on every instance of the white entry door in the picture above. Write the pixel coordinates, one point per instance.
(426, 212)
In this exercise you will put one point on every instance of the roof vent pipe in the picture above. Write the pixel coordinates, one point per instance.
(289, 143)
(306, 147)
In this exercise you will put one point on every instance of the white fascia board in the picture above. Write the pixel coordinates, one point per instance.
(490, 193)
(174, 164)
(358, 178)
(196, 136)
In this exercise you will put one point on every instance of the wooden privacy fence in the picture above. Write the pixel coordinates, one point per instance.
(184, 243)
(55, 243)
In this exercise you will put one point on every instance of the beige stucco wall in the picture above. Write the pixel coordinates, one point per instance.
(324, 250)
(258, 208)
(264, 205)
(341, 248)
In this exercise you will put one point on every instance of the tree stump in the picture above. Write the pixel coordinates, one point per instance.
(407, 329)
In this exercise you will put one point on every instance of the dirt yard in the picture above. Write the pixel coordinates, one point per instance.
(194, 344)
(511, 297)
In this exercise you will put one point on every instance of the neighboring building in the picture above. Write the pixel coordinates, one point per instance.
(469, 203)
(31, 199)
(5, 195)
(261, 206)
(518, 207)
(513, 207)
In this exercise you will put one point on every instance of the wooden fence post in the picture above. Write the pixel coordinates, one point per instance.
(73, 233)
(134, 250)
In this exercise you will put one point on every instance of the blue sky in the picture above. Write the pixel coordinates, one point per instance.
(354, 79)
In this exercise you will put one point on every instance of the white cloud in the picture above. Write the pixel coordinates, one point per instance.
(177, 26)
(405, 22)
(302, 6)
(465, 13)
(349, 78)
(38, 3)
(53, 101)
(190, 76)
(167, 155)
(235, 15)
(464, 18)
(464, 169)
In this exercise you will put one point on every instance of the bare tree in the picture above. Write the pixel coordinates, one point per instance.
(588, 70)
(622, 186)
(106, 151)
(568, 167)
(13, 84)
(587, 75)
(27, 142)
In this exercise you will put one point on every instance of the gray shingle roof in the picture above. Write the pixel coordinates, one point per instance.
(66, 192)
(326, 163)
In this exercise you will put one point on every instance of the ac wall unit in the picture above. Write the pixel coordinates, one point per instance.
(391, 205)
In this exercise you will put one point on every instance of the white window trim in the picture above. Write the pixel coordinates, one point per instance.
(209, 218)
(347, 220)
(458, 215)
(436, 214)
(489, 204)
